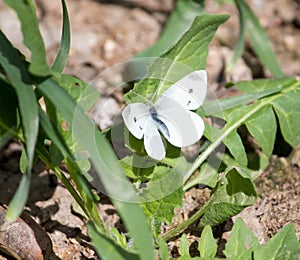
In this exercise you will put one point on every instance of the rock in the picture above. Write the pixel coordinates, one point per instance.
(21, 240)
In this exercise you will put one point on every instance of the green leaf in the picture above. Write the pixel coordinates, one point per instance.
(262, 126)
(288, 113)
(284, 102)
(23, 162)
(284, 245)
(261, 85)
(163, 250)
(234, 192)
(106, 247)
(158, 204)
(180, 19)
(86, 201)
(207, 244)
(188, 54)
(234, 143)
(239, 48)
(241, 242)
(216, 106)
(85, 94)
(65, 42)
(108, 170)
(184, 247)
(208, 176)
(258, 37)
(28, 109)
(31, 35)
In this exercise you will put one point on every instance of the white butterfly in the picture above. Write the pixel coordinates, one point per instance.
(170, 115)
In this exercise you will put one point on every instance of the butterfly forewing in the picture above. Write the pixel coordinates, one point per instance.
(189, 92)
(135, 116)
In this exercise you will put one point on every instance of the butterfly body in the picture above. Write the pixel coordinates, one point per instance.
(170, 115)
(160, 124)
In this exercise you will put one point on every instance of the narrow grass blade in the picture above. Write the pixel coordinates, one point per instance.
(114, 181)
(239, 48)
(28, 109)
(31, 34)
(259, 38)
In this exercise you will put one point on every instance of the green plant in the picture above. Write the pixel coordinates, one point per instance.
(242, 244)
(146, 206)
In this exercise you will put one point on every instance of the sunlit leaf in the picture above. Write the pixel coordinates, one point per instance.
(241, 242)
(234, 192)
(28, 110)
(32, 36)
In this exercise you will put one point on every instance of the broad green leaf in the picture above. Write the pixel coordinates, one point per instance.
(262, 126)
(258, 37)
(253, 174)
(105, 162)
(208, 176)
(241, 242)
(80, 91)
(184, 247)
(288, 113)
(261, 85)
(163, 250)
(234, 143)
(107, 248)
(65, 42)
(215, 106)
(233, 193)
(284, 245)
(187, 55)
(31, 35)
(158, 204)
(28, 110)
(207, 245)
(285, 103)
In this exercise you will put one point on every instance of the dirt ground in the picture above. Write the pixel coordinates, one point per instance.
(105, 33)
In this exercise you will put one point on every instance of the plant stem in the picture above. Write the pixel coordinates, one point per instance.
(184, 225)
(203, 156)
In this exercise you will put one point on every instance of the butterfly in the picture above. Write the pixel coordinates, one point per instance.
(170, 115)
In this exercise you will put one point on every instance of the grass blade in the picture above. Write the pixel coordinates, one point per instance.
(259, 38)
(31, 34)
(28, 109)
(105, 162)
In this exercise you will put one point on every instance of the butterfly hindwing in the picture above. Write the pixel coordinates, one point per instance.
(154, 145)
(184, 127)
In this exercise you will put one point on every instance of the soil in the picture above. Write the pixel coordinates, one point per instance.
(105, 33)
